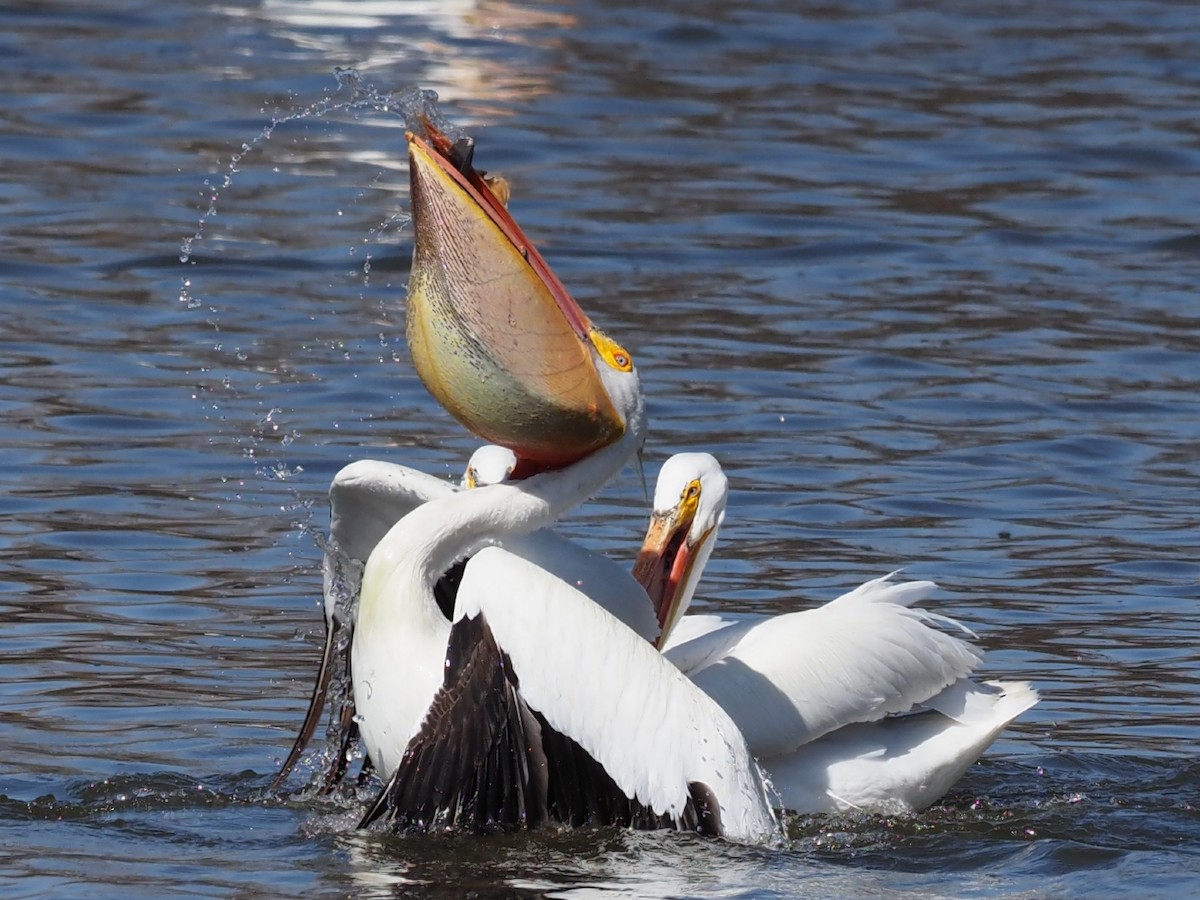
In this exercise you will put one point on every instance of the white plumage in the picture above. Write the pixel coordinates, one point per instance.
(817, 693)
(792, 678)
(580, 668)
(596, 682)
(863, 703)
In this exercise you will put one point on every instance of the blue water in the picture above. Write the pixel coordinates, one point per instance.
(923, 278)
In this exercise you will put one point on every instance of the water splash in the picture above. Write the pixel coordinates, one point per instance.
(261, 441)
(352, 94)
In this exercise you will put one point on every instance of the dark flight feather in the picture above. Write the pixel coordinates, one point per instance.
(483, 760)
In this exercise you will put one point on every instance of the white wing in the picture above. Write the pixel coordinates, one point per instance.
(610, 691)
(368, 497)
(867, 654)
(898, 764)
(608, 584)
(700, 639)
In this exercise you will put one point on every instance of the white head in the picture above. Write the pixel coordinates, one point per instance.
(490, 464)
(621, 382)
(689, 507)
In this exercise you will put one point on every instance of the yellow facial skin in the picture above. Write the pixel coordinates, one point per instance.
(610, 351)
(494, 335)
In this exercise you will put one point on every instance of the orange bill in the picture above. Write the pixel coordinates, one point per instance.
(664, 563)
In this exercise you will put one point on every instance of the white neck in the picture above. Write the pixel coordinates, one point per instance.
(424, 544)
(433, 537)
(400, 634)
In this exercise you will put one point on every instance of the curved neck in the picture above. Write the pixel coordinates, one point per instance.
(430, 539)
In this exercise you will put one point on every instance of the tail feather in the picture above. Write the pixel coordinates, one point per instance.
(901, 763)
(991, 704)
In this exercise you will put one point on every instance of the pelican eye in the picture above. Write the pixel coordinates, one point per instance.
(689, 499)
(611, 352)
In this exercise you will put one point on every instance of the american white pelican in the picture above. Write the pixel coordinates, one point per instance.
(535, 704)
(863, 703)
(502, 345)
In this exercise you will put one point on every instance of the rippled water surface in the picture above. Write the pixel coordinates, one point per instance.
(923, 278)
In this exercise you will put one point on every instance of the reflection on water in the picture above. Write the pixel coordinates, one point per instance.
(923, 279)
(481, 82)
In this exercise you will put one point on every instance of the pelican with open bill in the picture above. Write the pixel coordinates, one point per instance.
(534, 704)
(481, 308)
(486, 320)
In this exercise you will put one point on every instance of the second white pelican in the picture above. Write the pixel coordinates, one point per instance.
(864, 703)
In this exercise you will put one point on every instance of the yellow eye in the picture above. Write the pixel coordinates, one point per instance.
(689, 501)
(611, 352)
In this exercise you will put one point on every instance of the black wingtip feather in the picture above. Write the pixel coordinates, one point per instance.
(706, 810)
(483, 760)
